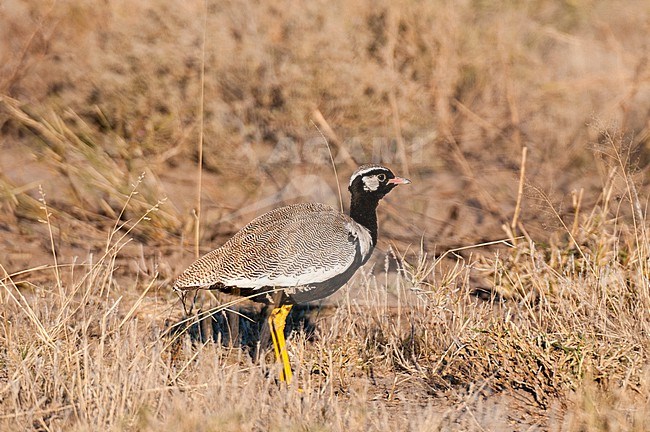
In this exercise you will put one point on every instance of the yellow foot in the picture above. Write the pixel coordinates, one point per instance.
(277, 320)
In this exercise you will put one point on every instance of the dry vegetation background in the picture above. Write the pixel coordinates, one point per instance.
(549, 334)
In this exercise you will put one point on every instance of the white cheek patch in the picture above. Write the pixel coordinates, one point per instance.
(370, 183)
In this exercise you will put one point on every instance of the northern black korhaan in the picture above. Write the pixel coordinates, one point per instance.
(297, 253)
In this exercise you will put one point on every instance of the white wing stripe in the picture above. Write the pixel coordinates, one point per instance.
(363, 237)
(311, 275)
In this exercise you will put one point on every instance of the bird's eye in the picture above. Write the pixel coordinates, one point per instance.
(381, 177)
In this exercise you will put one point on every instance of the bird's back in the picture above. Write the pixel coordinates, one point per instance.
(296, 245)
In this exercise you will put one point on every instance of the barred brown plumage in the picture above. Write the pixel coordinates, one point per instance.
(302, 245)
(307, 251)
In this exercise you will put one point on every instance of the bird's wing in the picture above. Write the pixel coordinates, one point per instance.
(294, 245)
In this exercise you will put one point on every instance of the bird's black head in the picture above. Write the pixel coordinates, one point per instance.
(368, 184)
(374, 181)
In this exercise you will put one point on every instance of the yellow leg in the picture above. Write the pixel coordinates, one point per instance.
(277, 321)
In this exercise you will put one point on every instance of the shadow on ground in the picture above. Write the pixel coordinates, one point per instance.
(248, 329)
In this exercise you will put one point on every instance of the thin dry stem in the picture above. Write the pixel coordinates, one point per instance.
(199, 180)
(520, 190)
(336, 176)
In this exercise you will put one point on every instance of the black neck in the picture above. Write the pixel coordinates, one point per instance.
(363, 209)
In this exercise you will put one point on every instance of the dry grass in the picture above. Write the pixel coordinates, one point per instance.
(562, 339)
(550, 333)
